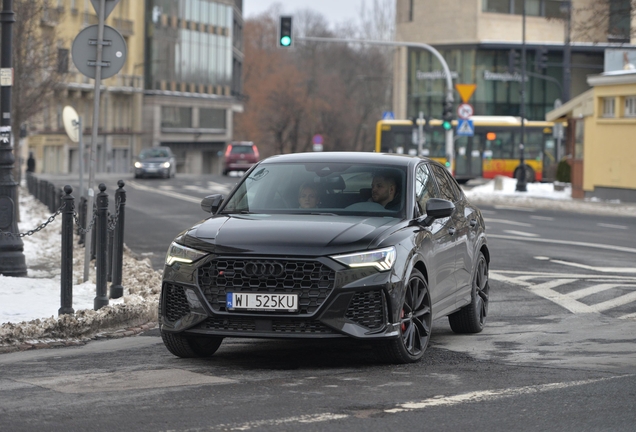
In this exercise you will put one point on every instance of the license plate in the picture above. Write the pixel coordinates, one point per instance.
(151, 169)
(262, 302)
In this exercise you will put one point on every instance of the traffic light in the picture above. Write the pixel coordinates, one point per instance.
(285, 36)
(541, 59)
(447, 115)
(513, 61)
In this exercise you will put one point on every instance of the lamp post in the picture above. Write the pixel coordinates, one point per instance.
(12, 262)
(521, 172)
(566, 9)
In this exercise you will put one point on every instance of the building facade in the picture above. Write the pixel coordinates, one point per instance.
(179, 86)
(193, 58)
(120, 122)
(482, 41)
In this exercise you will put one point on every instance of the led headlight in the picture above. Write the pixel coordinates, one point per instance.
(166, 165)
(381, 259)
(180, 253)
(138, 165)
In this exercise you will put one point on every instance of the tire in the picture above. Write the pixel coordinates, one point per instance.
(415, 324)
(472, 317)
(531, 177)
(191, 347)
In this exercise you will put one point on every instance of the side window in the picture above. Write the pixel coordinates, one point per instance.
(424, 187)
(445, 184)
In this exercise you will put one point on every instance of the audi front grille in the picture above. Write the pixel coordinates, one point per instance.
(311, 280)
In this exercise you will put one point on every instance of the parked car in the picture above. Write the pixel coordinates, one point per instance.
(240, 156)
(156, 162)
(391, 244)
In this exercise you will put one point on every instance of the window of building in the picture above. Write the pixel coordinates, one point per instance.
(547, 8)
(497, 6)
(176, 117)
(619, 21)
(630, 106)
(212, 118)
(608, 107)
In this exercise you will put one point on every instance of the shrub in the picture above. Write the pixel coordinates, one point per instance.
(563, 172)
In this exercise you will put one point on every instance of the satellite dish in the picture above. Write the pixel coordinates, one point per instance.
(71, 123)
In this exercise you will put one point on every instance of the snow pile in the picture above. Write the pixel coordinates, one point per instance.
(544, 196)
(27, 302)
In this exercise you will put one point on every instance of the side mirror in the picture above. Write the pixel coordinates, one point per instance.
(437, 209)
(211, 203)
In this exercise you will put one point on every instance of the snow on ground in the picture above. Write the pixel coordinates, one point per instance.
(29, 305)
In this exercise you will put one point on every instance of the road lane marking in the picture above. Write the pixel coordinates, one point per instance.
(598, 269)
(612, 226)
(579, 294)
(628, 316)
(508, 222)
(615, 302)
(437, 401)
(545, 290)
(501, 278)
(521, 233)
(565, 242)
(166, 193)
(542, 218)
(490, 395)
(523, 209)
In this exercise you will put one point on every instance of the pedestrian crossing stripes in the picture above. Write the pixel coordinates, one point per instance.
(611, 295)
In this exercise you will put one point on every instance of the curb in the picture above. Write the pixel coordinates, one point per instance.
(125, 332)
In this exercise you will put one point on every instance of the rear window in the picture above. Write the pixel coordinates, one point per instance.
(238, 149)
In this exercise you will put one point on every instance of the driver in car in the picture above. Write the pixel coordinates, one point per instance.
(384, 190)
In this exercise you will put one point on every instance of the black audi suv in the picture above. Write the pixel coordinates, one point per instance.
(329, 245)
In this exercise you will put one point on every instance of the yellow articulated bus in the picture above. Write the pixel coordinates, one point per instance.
(493, 150)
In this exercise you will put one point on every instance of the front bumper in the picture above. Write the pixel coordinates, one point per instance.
(334, 301)
(152, 172)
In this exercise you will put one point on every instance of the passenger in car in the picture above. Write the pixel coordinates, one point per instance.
(384, 190)
(308, 196)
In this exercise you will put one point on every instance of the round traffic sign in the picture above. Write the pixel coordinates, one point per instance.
(84, 51)
(465, 111)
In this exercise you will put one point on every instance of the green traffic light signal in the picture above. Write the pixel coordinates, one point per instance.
(447, 164)
(285, 41)
(447, 125)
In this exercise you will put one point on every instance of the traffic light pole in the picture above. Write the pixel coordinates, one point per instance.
(450, 149)
(521, 172)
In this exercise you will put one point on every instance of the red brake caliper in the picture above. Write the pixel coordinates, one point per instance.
(402, 316)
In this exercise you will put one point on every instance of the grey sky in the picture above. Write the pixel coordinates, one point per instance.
(334, 11)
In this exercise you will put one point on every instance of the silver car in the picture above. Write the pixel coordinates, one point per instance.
(156, 162)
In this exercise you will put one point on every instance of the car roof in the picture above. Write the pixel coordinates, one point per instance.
(393, 159)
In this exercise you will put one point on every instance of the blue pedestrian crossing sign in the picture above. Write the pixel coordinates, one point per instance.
(465, 127)
(388, 115)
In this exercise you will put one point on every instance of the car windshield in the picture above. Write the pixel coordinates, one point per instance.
(153, 153)
(242, 149)
(321, 188)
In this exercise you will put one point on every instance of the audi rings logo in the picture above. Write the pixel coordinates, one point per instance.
(263, 269)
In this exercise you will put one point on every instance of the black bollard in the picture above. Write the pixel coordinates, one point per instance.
(109, 254)
(66, 282)
(101, 299)
(116, 288)
(93, 236)
(82, 220)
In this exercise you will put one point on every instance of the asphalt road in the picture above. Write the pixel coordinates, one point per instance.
(558, 352)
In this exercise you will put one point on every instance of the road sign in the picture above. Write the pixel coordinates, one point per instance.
(388, 115)
(109, 5)
(84, 51)
(465, 127)
(464, 111)
(6, 77)
(465, 91)
(317, 139)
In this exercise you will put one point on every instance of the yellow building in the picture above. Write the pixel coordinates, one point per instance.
(121, 95)
(601, 148)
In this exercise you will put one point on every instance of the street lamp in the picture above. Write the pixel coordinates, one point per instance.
(521, 172)
(12, 261)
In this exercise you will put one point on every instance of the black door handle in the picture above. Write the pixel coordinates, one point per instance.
(473, 222)
(451, 231)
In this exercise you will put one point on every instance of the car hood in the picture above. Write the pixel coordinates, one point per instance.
(313, 235)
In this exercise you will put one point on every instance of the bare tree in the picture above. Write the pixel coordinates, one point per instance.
(604, 20)
(37, 65)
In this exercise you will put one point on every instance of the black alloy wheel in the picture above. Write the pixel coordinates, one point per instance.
(415, 323)
(472, 317)
(191, 347)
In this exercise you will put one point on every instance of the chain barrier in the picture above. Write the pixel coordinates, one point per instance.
(89, 227)
(39, 228)
(112, 219)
